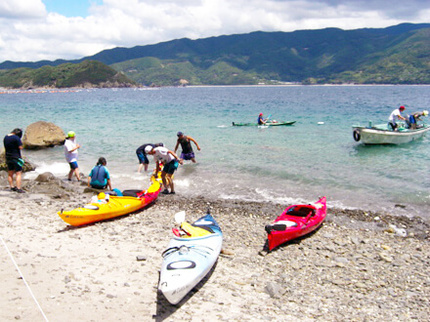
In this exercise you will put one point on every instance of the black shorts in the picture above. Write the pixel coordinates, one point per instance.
(13, 165)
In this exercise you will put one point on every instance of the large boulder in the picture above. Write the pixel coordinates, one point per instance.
(42, 134)
(28, 166)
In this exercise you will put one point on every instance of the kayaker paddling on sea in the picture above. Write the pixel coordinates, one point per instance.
(171, 163)
(395, 116)
(261, 120)
(187, 149)
(71, 154)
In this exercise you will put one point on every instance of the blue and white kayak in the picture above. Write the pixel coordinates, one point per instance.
(189, 257)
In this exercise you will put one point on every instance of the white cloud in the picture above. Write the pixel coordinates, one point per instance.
(29, 33)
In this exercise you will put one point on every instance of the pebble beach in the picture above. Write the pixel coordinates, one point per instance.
(359, 266)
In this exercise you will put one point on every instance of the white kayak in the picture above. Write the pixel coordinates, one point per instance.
(189, 257)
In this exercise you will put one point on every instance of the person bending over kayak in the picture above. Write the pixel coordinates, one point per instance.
(187, 150)
(141, 155)
(171, 163)
(99, 177)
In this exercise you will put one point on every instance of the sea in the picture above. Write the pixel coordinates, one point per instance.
(317, 156)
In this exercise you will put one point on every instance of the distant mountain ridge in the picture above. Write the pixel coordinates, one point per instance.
(396, 55)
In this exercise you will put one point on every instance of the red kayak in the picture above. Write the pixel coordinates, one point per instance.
(296, 221)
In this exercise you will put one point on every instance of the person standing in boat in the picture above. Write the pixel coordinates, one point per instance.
(141, 155)
(187, 150)
(414, 118)
(395, 116)
(99, 177)
(71, 154)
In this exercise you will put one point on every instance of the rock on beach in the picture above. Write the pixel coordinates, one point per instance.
(42, 134)
(352, 268)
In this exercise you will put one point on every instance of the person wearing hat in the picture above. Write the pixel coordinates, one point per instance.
(395, 116)
(13, 146)
(171, 163)
(141, 155)
(71, 154)
(187, 149)
(414, 118)
(261, 120)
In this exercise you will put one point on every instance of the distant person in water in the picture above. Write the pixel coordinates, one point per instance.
(187, 149)
(395, 116)
(71, 154)
(99, 177)
(414, 118)
(170, 161)
(13, 146)
(141, 155)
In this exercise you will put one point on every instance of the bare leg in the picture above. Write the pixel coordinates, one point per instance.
(18, 179)
(10, 178)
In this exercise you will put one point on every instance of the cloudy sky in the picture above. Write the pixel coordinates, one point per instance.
(32, 30)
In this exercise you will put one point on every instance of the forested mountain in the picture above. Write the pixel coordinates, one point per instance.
(393, 55)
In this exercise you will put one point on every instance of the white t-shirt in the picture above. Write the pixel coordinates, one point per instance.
(162, 155)
(394, 116)
(70, 144)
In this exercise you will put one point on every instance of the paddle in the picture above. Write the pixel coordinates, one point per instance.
(180, 217)
(267, 119)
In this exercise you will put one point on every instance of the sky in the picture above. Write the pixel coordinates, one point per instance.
(33, 30)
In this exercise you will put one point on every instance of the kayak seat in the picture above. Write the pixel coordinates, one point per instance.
(301, 211)
(194, 231)
(280, 225)
(132, 193)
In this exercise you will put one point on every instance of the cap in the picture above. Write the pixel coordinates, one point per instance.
(261, 114)
(425, 112)
(180, 133)
(401, 108)
(71, 134)
(148, 148)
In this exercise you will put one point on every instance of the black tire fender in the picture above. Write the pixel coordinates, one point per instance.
(356, 135)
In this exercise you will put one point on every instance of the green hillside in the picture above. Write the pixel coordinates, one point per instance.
(393, 55)
(85, 74)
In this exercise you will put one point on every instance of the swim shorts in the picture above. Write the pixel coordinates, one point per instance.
(187, 156)
(171, 167)
(13, 165)
(142, 158)
(73, 165)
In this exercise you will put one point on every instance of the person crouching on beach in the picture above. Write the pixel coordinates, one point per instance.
(99, 177)
(13, 146)
(71, 154)
(171, 163)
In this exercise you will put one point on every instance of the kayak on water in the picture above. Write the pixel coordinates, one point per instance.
(189, 257)
(267, 124)
(109, 206)
(296, 221)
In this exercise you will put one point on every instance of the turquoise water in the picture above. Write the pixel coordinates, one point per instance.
(283, 164)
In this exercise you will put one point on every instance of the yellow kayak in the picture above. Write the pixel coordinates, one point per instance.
(108, 207)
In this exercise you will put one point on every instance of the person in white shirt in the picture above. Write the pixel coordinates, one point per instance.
(170, 163)
(71, 154)
(395, 116)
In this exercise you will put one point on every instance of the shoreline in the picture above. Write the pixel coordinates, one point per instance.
(355, 267)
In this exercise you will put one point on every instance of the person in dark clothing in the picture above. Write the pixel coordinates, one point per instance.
(99, 177)
(141, 155)
(187, 150)
(13, 146)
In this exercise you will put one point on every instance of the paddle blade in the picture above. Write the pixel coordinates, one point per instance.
(180, 217)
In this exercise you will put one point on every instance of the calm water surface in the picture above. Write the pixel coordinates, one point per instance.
(283, 164)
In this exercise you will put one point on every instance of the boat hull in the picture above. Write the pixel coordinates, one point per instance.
(186, 261)
(115, 207)
(296, 221)
(379, 135)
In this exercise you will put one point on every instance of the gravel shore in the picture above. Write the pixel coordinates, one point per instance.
(359, 265)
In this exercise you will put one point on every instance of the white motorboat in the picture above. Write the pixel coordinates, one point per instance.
(381, 134)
